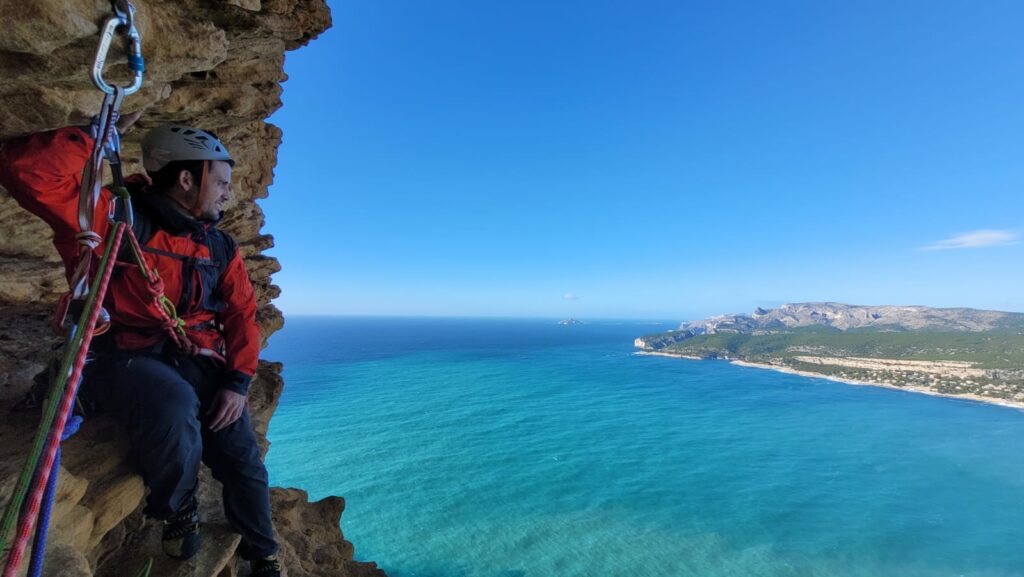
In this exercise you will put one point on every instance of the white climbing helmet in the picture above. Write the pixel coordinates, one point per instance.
(167, 144)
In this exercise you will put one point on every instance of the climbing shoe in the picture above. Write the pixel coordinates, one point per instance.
(266, 567)
(181, 536)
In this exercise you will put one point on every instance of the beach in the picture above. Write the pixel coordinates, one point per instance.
(792, 371)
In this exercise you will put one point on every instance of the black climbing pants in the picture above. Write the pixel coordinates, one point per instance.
(163, 401)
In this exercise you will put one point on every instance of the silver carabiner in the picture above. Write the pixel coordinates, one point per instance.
(120, 19)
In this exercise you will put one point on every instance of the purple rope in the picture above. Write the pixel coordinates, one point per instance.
(35, 567)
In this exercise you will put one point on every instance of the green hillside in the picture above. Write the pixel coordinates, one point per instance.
(1000, 349)
(995, 358)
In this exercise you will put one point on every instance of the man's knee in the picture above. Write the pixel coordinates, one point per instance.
(172, 423)
(167, 409)
(234, 451)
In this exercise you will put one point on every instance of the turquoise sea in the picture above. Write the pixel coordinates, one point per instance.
(519, 448)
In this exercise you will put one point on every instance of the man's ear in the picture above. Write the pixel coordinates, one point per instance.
(185, 180)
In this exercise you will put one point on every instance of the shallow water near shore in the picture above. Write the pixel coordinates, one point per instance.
(515, 448)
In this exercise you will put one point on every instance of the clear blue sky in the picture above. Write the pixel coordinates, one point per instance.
(653, 159)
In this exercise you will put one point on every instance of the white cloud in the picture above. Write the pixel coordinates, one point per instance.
(976, 239)
(570, 297)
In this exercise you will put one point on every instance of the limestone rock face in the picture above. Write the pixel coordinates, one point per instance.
(846, 317)
(313, 545)
(218, 65)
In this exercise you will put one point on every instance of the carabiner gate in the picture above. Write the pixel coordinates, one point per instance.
(120, 19)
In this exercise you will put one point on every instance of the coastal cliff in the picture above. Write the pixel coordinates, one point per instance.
(214, 65)
(967, 353)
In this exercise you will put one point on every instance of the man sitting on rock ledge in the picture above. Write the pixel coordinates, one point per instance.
(180, 409)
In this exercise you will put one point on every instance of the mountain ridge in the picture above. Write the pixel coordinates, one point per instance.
(959, 352)
(846, 317)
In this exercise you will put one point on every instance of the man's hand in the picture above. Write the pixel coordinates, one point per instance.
(226, 409)
(125, 122)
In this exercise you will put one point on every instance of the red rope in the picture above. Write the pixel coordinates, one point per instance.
(28, 518)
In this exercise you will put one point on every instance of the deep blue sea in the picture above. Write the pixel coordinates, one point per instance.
(519, 448)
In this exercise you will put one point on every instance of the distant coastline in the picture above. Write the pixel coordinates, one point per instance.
(792, 371)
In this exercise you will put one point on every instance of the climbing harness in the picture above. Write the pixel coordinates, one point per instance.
(39, 475)
(171, 323)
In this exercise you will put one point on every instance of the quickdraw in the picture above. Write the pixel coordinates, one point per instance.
(108, 145)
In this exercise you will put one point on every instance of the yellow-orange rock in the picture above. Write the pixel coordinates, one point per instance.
(218, 65)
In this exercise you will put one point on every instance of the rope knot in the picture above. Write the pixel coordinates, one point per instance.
(156, 286)
(169, 323)
(89, 239)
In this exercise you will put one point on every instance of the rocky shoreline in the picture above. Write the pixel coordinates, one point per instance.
(804, 373)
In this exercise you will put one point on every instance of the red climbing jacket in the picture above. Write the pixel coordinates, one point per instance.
(201, 267)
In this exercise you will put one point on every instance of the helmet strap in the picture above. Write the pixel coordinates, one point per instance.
(196, 210)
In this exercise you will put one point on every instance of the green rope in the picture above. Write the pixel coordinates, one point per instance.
(52, 403)
(146, 568)
(172, 311)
